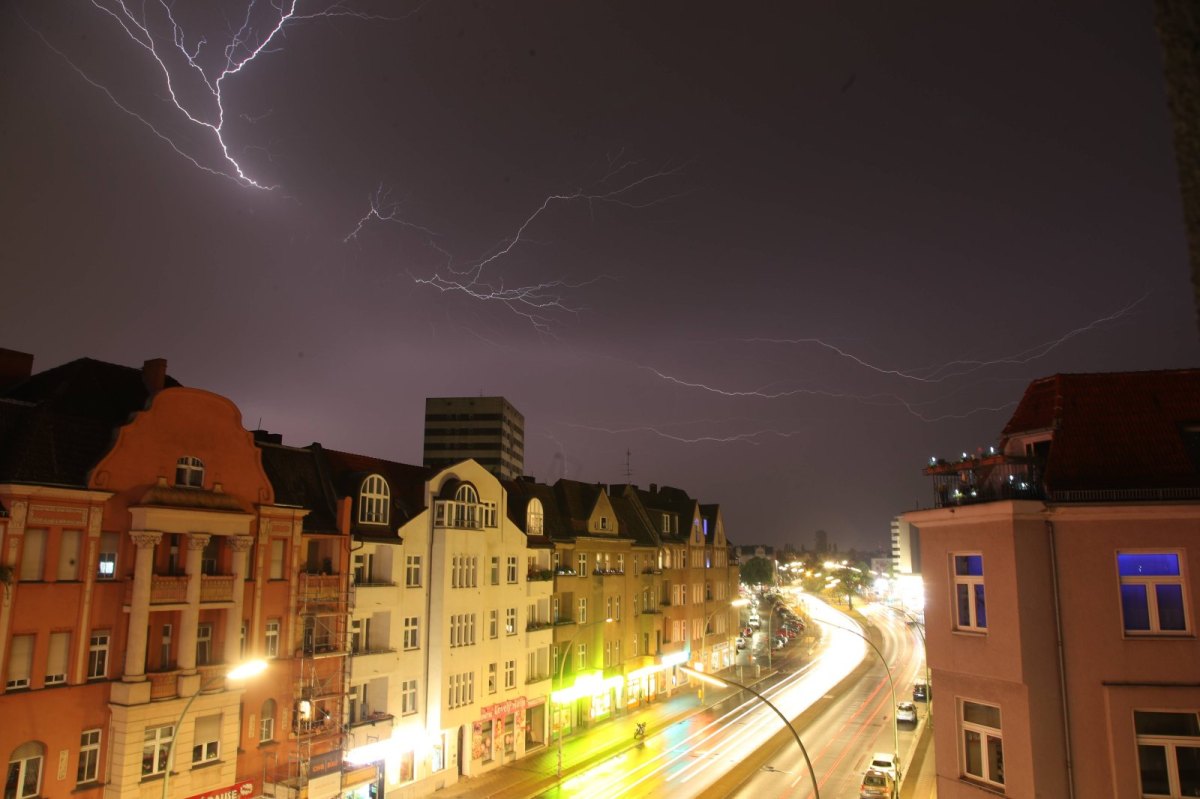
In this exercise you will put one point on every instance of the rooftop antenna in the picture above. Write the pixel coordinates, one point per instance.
(628, 468)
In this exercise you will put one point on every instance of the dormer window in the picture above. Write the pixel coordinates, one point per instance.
(603, 523)
(668, 526)
(534, 517)
(466, 493)
(189, 472)
(373, 501)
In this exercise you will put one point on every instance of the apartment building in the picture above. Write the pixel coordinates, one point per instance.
(148, 556)
(488, 430)
(1061, 610)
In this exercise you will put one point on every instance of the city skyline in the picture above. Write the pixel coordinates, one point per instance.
(780, 260)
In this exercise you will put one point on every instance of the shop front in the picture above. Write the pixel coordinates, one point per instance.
(498, 736)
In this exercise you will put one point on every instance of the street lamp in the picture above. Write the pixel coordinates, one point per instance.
(243, 671)
(737, 603)
(721, 682)
(562, 665)
(891, 684)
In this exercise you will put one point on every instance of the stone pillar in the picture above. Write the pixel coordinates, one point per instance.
(139, 605)
(190, 617)
(239, 545)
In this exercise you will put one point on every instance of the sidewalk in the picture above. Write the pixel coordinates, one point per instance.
(538, 772)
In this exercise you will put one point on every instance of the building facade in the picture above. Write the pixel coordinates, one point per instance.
(1061, 608)
(488, 430)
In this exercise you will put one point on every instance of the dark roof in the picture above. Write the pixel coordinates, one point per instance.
(299, 479)
(554, 523)
(635, 523)
(56, 425)
(406, 482)
(575, 502)
(1118, 430)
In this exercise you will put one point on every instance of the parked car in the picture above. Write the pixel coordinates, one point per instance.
(906, 713)
(886, 762)
(741, 642)
(922, 691)
(877, 785)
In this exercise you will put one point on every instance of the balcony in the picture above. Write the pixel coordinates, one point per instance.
(563, 571)
(216, 588)
(464, 515)
(651, 570)
(609, 572)
(165, 684)
(987, 479)
(534, 626)
(539, 575)
(533, 679)
(367, 664)
(376, 720)
(320, 591)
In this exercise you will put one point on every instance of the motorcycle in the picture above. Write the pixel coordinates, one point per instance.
(639, 732)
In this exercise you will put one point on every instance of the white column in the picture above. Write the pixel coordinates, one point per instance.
(139, 605)
(190, 616)
(239, 545)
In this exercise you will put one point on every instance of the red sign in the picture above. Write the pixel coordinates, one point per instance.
(242, 790)
(501, 709)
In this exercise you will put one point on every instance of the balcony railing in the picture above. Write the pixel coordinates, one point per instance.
(216, 588)
(539, 574)
(989, 479)
(563, 571)
(652, 570)
(608, 572)
(464, 515)
(533, 626)
(369, 718)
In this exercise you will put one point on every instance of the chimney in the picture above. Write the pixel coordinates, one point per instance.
(154, 374)
(14, 367)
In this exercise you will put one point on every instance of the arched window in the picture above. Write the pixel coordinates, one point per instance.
(466, 507)
(24, 771)
(466, 493)
(534, 518)
(189, 472)
(373, 501)
(266, 721)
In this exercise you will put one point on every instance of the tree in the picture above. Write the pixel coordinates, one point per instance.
(758, 571)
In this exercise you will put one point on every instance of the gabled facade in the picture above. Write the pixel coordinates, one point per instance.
(1062, 596)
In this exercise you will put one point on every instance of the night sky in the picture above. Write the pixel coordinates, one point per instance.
(786, 251)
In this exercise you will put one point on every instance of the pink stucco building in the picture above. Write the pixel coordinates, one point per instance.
(1061, 595)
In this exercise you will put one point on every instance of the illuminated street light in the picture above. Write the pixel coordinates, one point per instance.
(243, 671)
(721, 682)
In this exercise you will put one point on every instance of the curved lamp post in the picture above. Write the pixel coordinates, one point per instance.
(737, 603)
(562, 665)
(891, 684)
(721, 682)
(243, 671)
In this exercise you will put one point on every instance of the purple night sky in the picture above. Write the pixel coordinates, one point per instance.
(793, 250)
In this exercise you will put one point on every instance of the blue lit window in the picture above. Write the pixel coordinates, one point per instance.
(1153, 601)
(970, 601)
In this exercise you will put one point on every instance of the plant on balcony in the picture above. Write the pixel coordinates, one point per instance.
(537, 625)
(564, 571)
(541, 574)
(6, 577)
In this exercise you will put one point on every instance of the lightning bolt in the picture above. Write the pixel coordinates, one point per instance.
(747, 438)
(538, 303)
(194, 91)
(946, 371)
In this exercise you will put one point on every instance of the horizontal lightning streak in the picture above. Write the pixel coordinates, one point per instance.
(747, 438)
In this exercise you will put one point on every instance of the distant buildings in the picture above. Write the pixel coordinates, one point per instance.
(487, 430)
(420, 624)
(906, 547)
(1061, 574)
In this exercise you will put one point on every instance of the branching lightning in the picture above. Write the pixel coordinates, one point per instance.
(744, 438)
(537, 302)
(194, 86)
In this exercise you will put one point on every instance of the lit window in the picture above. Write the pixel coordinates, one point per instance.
(98, 655)
(373, 501)
(510, 621)
(155, 745)
(266, 722)
(89, 757)
(1153, 600)
(982, 743)
(534, 518)
(206, 746)
(24, 778)
(106, 566)
(189, 472)
(970, 606)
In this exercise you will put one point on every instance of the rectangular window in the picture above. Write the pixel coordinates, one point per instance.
(408, 697)
(1153, 593)
(511, 569)
(272, 641)
(89, 757)
(278, 549)
(20, 661)
(56, 663)
(206, 743)
(203, 644)
(462, 690)
(582, 610)
(98, 655)
(495, 571)
(493, 624)
(510, 621)
(1168, 752)
(412, 632)
(412, 571)
(106, 566)
(510, 674)
(616, 608)
(582, 561)
(970, 607)
(581, 658)
(68, 556)
(155, 745)
(33, 556)
(982, 744)
(491, 682)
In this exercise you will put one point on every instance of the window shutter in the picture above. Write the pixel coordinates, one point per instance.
(208, 728)
(33, 555)
(56, 664)
(68, 555)
(20, 659)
